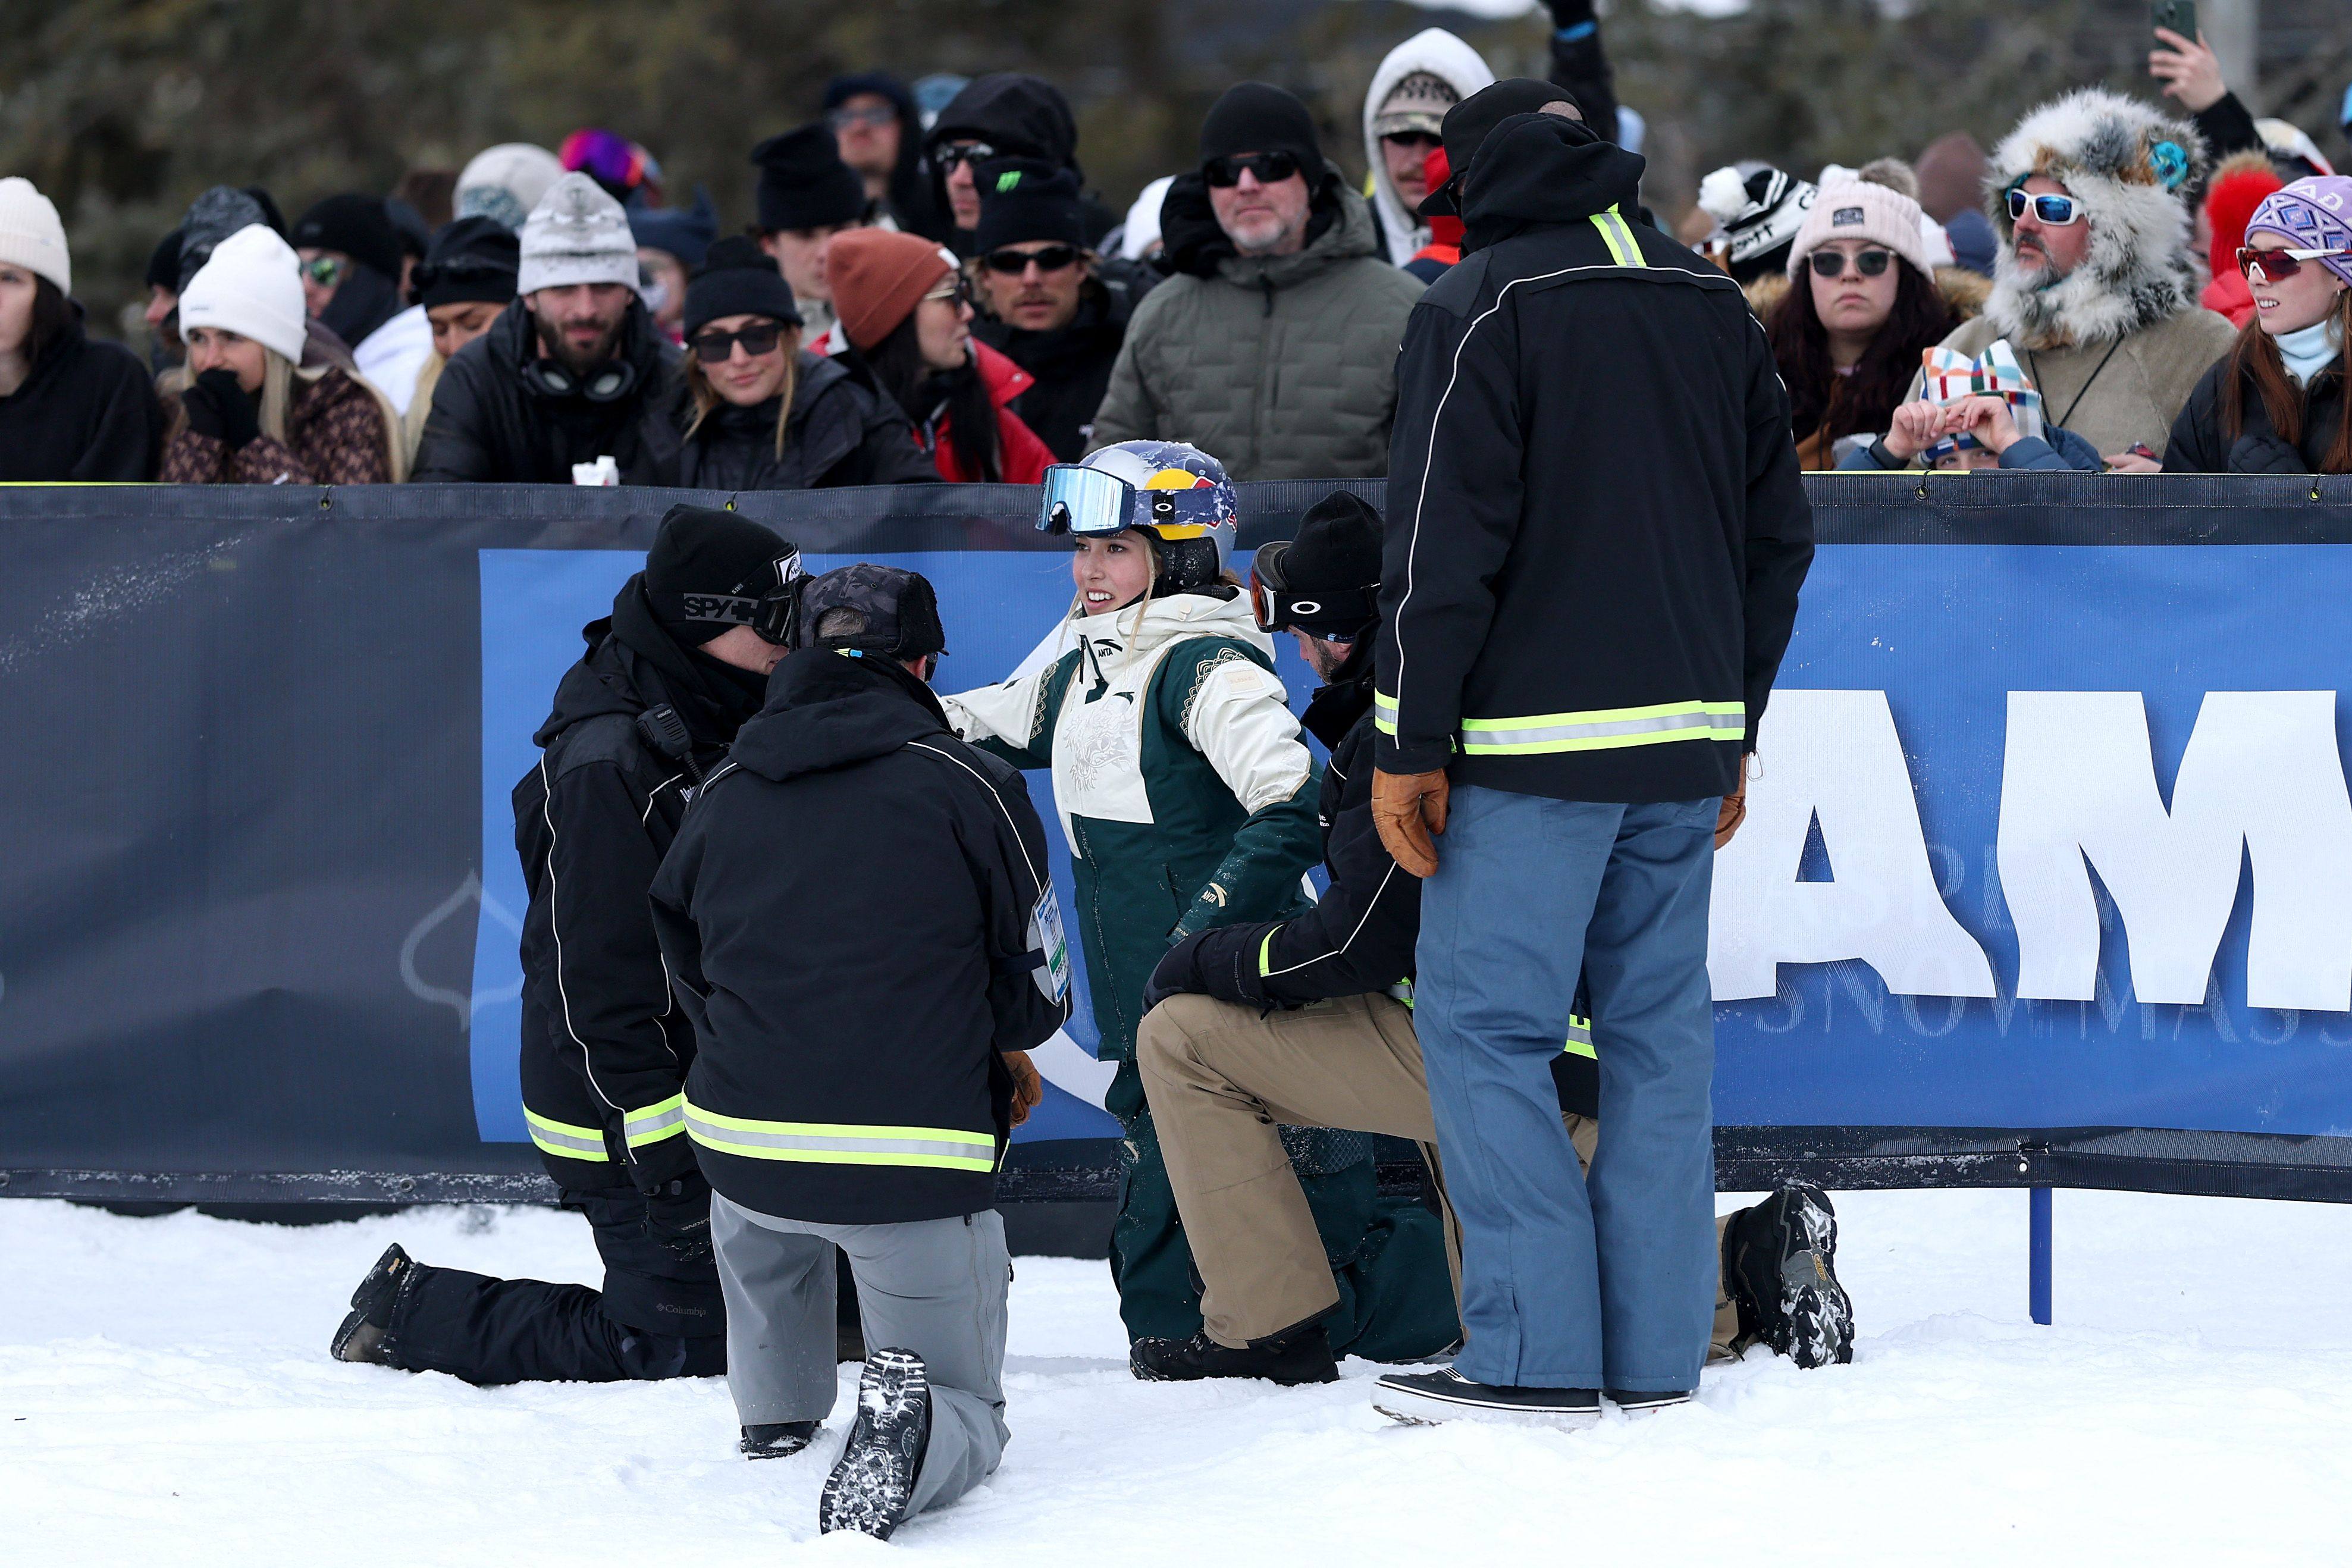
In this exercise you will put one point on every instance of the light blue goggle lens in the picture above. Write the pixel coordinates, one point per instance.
(1083, 501)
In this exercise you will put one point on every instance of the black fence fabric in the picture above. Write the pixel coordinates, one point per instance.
(245, 778)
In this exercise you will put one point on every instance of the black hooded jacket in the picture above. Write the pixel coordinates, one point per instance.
(1072, 365)
(87, 412)
(1597, 530)
(603, 1046)
(847, 914)
(843, 431)
(491, 422)
(1020, 117)
(2201, 443)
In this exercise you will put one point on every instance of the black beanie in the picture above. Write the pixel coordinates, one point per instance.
(1021, 200)
(1469, 122)
(163, 266)
(804, 184)
(1258, 117)
(738, 279)
(1333, 565)
(471, 258)
(707, 570)
(355, 224)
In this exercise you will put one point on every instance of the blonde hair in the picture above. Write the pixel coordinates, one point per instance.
(278, 375)
(706, 401)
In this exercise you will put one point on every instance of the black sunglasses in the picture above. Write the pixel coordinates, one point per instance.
(1271, 168)
(1420, 139)
(758, 337)
(1831, 263)
(948, 157)
(1013, 263)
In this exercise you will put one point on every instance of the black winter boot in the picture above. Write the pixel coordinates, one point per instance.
(1780, 1262)
(1302, 1357)
(361, 1336)
(1644, 1404)
(1430, 1398)
(777, 1439)
(873, 1485)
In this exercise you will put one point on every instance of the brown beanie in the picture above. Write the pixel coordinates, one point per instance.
(878, 275)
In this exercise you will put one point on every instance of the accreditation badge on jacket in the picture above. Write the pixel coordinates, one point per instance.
(1050, 947)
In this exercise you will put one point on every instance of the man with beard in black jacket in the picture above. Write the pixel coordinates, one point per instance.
(572, 371)
(1051, 307)
(1598, 538)
(647, 713)
(1309, 1022)
(857, 917)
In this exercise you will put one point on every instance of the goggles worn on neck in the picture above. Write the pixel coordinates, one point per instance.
(1093, 504)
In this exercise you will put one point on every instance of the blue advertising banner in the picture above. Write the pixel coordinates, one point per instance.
(2046, 877)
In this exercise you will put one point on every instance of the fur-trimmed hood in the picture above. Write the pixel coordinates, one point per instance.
(2126, 162)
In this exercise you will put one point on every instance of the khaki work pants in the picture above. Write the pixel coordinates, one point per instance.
(1221, 1078)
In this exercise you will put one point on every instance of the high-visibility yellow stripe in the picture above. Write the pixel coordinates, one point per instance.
(842, 1142)
(564, 1139)
(1624, 248)
(1384, 710)
(1605, 728)
(1266, 953)
(1579, 1037)
(664, 1119)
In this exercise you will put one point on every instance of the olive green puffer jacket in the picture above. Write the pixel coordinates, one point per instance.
(1282, 367)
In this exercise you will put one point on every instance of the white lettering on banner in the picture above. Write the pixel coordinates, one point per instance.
(1834, 755)
(2262, 774)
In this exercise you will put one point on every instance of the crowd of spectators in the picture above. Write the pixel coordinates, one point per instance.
(2122, 283)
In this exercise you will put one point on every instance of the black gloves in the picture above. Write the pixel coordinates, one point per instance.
(656, 1166)
(678, 1218)
(1567, 14)
(219, 407)
(1178, 973)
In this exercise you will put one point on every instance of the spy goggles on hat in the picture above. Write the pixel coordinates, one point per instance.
(2271, 266)
(777, 617)
(2057, 211)
(1093, 504)
(1277, 608)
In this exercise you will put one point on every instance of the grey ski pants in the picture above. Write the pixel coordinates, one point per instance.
(935, 1287)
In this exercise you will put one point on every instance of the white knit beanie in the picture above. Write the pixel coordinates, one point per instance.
(252, 287)
(1861, 209)
(577, 234)
(505, 182)
(30, 235)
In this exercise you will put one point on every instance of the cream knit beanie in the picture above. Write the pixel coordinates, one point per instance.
(1860, 209)
(30, 235)
(252, 287)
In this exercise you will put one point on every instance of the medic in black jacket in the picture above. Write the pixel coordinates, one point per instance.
(647, 713)
(1637, 618)
(901, 870)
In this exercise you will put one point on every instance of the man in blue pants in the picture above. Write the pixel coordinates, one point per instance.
(1596, 536)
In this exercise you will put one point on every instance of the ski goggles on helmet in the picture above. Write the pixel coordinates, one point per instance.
(1094, 504)
(777, 617)
(1339, 617)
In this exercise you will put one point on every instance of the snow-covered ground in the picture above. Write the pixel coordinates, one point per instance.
(165, 1398)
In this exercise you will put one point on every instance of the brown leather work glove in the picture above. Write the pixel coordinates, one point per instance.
(1407, 808)
(1731, 814)
(1028, 1084)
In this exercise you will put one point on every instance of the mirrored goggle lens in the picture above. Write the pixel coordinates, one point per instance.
(1083, 500)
